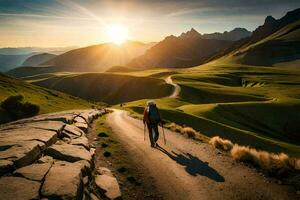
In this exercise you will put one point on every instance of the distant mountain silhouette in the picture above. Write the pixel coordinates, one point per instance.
(272, 25)
(274, 42)
(188, 49)
(253, 48)
(38, 59)
(8, 62)
(98, 57)
(35, 50)
(233, 35)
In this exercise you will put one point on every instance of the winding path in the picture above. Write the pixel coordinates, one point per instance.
(176, 87)
(185, 169)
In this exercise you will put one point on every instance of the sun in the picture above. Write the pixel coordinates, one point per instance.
(117, 33)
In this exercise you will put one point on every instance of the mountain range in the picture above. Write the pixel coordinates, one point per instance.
(233, 35)
(276, 41)
(15, 57)
(8, 62)
(99, 57)
(187, 50)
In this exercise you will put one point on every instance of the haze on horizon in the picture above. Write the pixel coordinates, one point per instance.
(53, 23)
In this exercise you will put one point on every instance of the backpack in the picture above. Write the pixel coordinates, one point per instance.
(153, 114)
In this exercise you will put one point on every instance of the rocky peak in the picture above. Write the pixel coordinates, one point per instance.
(270, 20)
(191, 33)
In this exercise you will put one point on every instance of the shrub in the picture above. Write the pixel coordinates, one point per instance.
(190, 132)
(106, 154)
(102, 134)
(278, 165)
(220, 143)
(274, 164)
(174, 127)
(17, 109)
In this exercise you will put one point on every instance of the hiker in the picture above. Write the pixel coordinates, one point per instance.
(152, 118)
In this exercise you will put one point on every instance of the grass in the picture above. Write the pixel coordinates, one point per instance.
(220, 143)
(250, 105)
(48, 100)
(106, 87)
(115, 157)
(255, 106)
(279, 165)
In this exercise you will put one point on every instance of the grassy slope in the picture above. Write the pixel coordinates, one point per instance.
(281, 46)
(257, 106)
(48, 100)
(105, 87)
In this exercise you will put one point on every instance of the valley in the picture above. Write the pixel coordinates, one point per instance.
(228, 103)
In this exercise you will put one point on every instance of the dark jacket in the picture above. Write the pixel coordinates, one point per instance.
(146, 115)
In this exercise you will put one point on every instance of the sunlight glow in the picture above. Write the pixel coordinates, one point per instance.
(117, 33)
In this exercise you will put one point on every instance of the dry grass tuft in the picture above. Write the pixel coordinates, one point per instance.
(279, 165)
(220, 143)
(174, 127)
(297, 164)
(274, 164)
(190, 132)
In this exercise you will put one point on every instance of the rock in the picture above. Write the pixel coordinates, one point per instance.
(66, 140)
(85, 166)
(68, 152)
(18, 188)
(6, 166)
(48, 125)
(88, 117)
(85, 180)
(35, 172)
(46, 159)
(93, 151)
(109, 185)
(63, 181)
(23, 153)
(82, 141)
(19, 135)
(82, 126)
(71, 129)
(80, 120)
(93, 197)
(64, 116)
(104, 171)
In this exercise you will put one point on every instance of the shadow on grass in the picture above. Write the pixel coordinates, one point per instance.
(193, 165)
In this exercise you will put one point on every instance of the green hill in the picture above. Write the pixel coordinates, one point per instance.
(105, 87)
(21, 72)
(250, 105)
(47, 100)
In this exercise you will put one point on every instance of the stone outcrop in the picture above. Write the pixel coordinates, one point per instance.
(106, 182)
(18, 188)
(49, 157)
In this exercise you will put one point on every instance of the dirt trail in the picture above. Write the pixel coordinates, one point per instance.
(185, 169)
(176, 87)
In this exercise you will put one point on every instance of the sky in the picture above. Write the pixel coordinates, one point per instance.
(58, 23)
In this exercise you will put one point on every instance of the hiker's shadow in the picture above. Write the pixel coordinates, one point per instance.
(193, 165)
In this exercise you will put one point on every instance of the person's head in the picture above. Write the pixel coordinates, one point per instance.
(151, 103)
